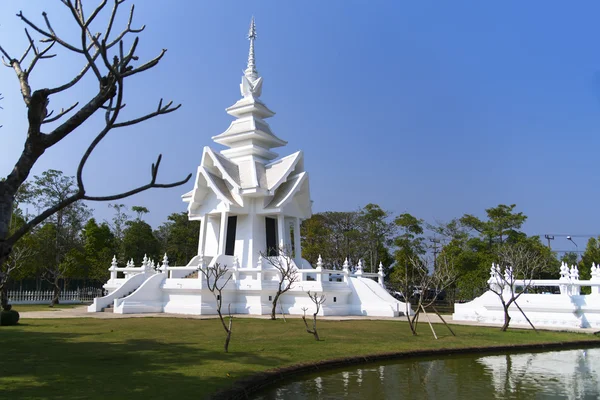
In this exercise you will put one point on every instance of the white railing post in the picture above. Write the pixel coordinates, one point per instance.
(574, 275)
(319, 269)
(164, 268)
(510, 280)
(564, 278)
(113, 268)
(359, 269)
(381, 275)
(345, 270)
(595, 278)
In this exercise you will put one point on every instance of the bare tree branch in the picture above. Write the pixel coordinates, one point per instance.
(284, 265)
(110, 72)
(59, 115)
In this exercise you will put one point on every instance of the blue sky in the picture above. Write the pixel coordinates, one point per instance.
(432, 108)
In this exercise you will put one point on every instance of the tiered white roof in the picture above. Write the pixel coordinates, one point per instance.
(248, 167)
(250, 134)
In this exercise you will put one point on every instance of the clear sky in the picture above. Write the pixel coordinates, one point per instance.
(433, 108)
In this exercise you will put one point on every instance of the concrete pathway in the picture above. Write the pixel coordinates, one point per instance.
(81, 312)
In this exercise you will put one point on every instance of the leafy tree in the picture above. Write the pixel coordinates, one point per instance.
(589, 256)
(178, 237)
(52, 187)
(570, 258)
(140, 211)
(105, 57)
(139, 241)
(316, 234)
(409, 244)
(117, 227)
(99, 247)
(502, 222)
(376, 234)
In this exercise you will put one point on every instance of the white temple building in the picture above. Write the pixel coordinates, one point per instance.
(250, 204)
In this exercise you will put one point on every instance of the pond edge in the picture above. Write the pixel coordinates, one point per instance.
(245, 387)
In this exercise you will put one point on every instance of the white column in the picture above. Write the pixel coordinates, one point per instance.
(297, 246)
(202, 239)
(281, 230)
(222, 232)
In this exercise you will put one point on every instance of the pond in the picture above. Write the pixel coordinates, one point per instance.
(569, 374)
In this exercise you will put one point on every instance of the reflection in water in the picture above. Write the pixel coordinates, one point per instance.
(572, 374)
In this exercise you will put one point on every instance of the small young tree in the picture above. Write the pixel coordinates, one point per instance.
(318, 300)
(215, 282)
(287, 274)
(417, 275)
(522, 264)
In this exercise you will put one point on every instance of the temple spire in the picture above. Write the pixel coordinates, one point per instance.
(251, 73)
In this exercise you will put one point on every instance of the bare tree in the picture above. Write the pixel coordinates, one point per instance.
(103, 56)
(318, 300)
(429, 285)
(285, 266)
(17, 257)
(522, 264)
(215, 282)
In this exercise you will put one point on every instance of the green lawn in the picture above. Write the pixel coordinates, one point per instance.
(42, 307)
(147, 358)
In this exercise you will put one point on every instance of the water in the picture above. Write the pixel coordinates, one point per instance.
(570, 374)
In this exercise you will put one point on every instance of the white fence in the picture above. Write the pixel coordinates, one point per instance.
(45, 296)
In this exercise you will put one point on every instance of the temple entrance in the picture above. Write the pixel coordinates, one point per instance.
(271, 227)
(230, 239)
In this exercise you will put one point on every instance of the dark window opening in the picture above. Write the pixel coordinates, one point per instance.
(270, 298)
(218, 297)
(230, 239)
(334, 299)
(271, 231)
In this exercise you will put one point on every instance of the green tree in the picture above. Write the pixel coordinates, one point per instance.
(409, 247)
(502, 222)
(178, 237)
(376, 234)
(589, 256)
(51, 188)
(316, 235)
(139, 241)
(117, 227)
(99, 246)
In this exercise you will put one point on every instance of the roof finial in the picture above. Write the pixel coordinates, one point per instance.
(251, 72)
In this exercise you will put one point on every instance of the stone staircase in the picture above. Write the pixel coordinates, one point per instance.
(111, 306)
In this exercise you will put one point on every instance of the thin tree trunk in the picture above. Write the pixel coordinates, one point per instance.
(274, 306)
(4, 296)
(506, 319)
(315, 327)
(56, 293)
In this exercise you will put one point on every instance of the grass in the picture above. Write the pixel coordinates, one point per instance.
(141, 358)
(42, 307)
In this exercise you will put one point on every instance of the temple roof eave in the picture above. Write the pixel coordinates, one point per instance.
(250, 105)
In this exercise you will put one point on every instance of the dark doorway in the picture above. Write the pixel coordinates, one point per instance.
(271, 225)
(230, 241)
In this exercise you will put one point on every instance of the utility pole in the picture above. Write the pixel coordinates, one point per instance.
(435, 250)
(549, 237)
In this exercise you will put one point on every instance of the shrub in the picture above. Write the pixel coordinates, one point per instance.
(9, 317)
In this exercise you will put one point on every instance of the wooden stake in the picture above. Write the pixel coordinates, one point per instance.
(429, 321)
(444, 321)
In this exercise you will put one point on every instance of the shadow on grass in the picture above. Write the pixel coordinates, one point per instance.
(74, 366)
